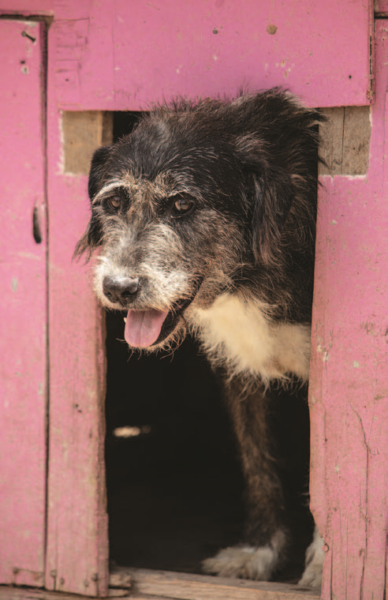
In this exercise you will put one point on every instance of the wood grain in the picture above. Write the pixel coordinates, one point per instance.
(84, 132)
(202, 587)
(346, 138)
(17, 593)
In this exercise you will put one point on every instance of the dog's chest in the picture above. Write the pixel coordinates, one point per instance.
(238, 333)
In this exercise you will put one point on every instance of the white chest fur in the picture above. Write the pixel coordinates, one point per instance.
(239, 333)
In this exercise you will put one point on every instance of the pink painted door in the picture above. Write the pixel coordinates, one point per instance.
(118, 55)
(23, 305)
(349, 368)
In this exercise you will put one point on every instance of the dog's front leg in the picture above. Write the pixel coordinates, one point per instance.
(265, 538)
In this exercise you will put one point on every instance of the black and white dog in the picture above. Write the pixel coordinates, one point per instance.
(205, 215)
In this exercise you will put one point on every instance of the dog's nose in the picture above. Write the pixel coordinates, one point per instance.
(120, 289)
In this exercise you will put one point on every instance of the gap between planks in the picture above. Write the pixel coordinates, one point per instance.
(345, 135)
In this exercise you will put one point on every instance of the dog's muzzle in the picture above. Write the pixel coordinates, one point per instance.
(149, 327)
(120, 290)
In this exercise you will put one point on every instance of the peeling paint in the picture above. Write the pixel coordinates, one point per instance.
(324, 352)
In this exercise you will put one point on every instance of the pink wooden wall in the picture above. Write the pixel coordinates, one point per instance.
(23, 291)
(349, 374)
(148, 51)
(77, 537)
(118, 55)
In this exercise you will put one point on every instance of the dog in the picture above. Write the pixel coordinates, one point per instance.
(205, 217)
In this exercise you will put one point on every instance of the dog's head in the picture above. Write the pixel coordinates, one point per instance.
(181, 204)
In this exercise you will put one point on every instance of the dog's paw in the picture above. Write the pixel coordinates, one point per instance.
(247, 562)
(312, 575)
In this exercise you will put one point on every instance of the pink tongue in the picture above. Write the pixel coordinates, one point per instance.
(143, 327)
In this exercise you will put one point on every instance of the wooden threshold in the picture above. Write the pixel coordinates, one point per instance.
(8, 592)
(182, 586)
(147, 584)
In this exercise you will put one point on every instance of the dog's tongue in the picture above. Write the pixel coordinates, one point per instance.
(143, 327)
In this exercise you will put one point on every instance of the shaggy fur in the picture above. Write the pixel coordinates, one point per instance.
(205, 215)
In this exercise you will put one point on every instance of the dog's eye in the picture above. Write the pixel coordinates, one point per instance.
(183, 206)
(114, 202)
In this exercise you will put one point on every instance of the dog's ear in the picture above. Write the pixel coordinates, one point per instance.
(272, 201)
(90, 239)
(93, 234)
(271, 194)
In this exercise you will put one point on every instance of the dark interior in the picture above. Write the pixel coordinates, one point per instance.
(174, 485)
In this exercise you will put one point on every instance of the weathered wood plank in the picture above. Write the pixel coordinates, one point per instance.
(23, 296)
(27, 7)
(349, 375)
(77, 537)
(356, 140)
(183, 586)
(381, 7)
(163, 585)
(137, 596)
(22, 593)
(332, 140)
(346, 137)
(124, 58)
(83, 133)
(120, 577)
